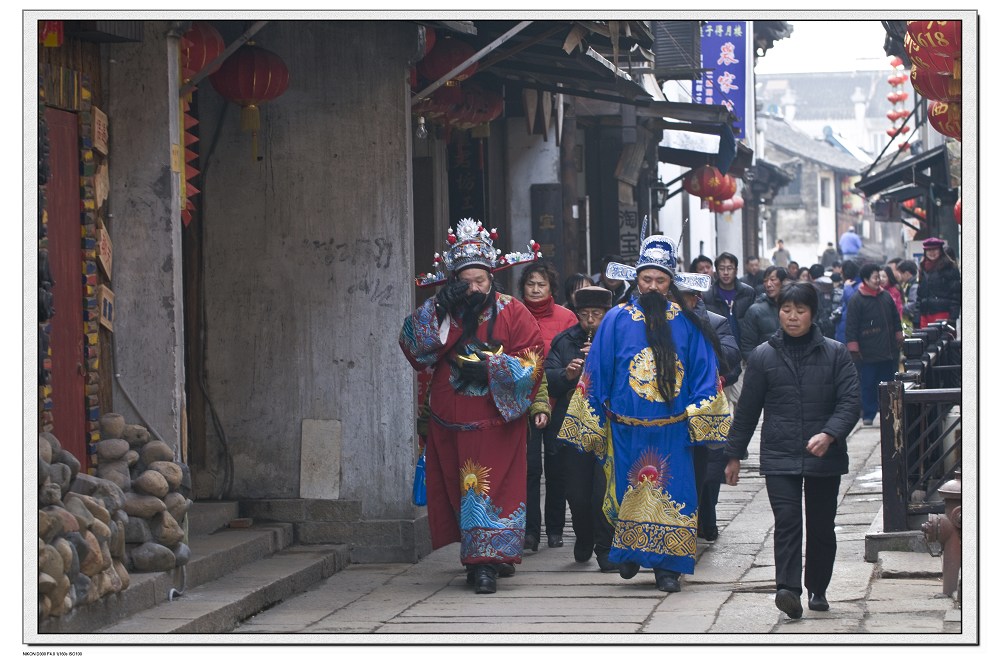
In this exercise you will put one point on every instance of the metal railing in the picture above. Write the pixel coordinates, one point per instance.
(921, 425)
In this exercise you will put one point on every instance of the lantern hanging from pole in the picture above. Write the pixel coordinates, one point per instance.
(946, 118)
(958, 211)
(445, 56)
(201, 44)
(704, 182)
(251, 77)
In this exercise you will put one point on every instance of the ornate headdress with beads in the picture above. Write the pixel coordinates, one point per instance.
(471, 245)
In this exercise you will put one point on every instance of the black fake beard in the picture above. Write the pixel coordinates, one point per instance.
(660, 339)
(474, 306)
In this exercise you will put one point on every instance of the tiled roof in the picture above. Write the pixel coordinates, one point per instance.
(827, 96)
(779, 133)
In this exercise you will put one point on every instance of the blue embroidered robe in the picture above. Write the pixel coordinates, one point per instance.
(618, 413)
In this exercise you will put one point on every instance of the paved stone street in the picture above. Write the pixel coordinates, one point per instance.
(729, 598)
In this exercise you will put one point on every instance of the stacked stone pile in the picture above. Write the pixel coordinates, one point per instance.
(94, 529)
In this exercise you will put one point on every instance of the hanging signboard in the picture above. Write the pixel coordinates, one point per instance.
(100, 131)
(104, 251)
(723, 55)
(106, 307)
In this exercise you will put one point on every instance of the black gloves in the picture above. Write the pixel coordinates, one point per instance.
(475, 373)
(448, 297)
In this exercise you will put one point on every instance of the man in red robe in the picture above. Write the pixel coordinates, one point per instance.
(485, 351)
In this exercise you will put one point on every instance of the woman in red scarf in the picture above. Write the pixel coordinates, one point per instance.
(537, 286)
(939, 290)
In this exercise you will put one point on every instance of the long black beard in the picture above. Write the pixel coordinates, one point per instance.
(474, 306)
(661, 341)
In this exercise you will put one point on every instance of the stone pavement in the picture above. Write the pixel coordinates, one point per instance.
(729, 598)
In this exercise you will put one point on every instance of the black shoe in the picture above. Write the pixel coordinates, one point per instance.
(486, 579)
(667, 580)
(605, 564)
(817, 602)
(867, 423)
(530, 542)
(582, 551)
(628, 570)
(555, 541)
(709, 534)
(505, 570)
(789, 602)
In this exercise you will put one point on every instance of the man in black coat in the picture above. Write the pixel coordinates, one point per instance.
(731, 298)
(710, 462)
(807, 387)
(585, 481)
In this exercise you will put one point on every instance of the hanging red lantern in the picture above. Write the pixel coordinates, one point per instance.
(897, 115)
(896, 61)
(934, 45)
(935, 85)
(430, 38)
(250, 77)
(200, 45)
(737, 202)
(896, 97)
(958, 212)
(727, 189)
(445, 56)
(705, 182)
(946, 118)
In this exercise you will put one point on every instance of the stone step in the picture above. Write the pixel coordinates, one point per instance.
(212, 557)
(207, 516)
(219, 606)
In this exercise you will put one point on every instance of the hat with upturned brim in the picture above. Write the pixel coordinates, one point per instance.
(659, 252)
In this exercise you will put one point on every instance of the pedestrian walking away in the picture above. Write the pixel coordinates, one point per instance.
(485, 350)
(650, 391)
(807, 388)
(780, 256)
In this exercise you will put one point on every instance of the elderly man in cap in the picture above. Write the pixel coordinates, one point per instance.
(584, 477)
(649, 392)
(485, 350)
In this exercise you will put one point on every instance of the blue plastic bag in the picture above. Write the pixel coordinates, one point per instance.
(420, 482)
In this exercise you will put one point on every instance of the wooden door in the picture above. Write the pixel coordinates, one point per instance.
(66, 262)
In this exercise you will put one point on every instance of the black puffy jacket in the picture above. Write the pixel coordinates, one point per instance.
(565, 348)
(940, 289)
(822, 394)
(759, 324)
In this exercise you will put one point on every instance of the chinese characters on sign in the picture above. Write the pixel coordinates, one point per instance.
(628, 233)
(467, 179)
(723, 55)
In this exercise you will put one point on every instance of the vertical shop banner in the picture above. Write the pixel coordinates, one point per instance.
(723, 54)
(467, 179)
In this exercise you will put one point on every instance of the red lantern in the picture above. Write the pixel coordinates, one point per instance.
(946, 118)
(201, 44)
(250, 77)
(727, 189)
(737, 202)
(896, 61)
(935, 85)
(934, 45)
(896, 115)
(896, 97)
(705, 182)
(445, 56)
(958, 211)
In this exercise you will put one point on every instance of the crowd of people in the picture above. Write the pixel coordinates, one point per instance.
(636, 396)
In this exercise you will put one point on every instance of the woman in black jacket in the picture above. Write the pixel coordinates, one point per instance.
(939, 295)
(807, 387)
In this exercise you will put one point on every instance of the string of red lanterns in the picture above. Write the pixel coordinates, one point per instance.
(935, 48)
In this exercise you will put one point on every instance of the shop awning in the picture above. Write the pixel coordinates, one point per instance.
(694, 144)
(923, 170)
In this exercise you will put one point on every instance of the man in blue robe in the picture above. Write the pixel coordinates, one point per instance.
(649, 393)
